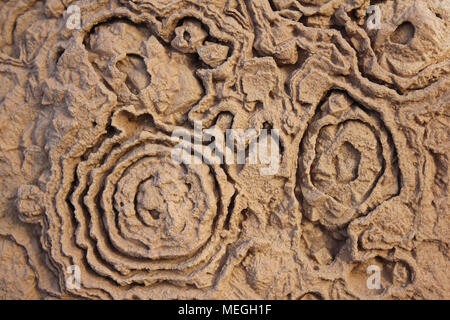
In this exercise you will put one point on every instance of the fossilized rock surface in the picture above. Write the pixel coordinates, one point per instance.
(88, 180)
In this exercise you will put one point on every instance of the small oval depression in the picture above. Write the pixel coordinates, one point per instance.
(404, 33)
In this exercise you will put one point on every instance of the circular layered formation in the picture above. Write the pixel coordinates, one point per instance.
(348, 166)
(138, 216)
(152, 208)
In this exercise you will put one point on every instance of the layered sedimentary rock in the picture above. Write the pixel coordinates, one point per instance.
(92, 93)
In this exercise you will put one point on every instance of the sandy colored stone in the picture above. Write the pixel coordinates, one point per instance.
(87, 179)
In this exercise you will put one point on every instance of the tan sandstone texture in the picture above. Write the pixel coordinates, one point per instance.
(92, 204)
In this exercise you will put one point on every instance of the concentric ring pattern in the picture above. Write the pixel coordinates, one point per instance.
(140, 216)
(347, 166)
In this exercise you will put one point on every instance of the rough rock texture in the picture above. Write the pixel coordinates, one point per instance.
(87, 179)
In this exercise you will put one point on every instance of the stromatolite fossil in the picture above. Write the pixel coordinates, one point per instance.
(348, 164)
(89, 184)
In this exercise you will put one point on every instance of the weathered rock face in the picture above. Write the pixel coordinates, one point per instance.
(93, 205)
